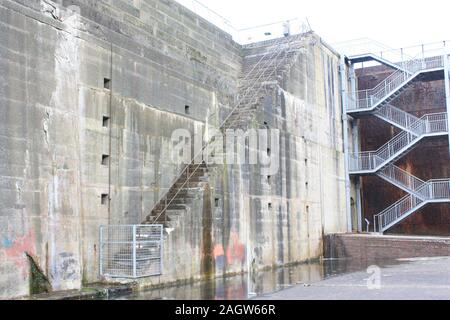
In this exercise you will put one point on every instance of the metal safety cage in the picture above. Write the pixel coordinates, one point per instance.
(131, 251)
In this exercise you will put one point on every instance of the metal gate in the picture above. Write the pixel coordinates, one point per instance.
(131, 251)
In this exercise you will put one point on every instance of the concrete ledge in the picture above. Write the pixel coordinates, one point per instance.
(98, 292)
(373, 247)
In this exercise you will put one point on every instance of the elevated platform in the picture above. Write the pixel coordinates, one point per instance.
(373, 57)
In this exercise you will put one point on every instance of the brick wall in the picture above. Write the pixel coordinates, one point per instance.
(374, 248)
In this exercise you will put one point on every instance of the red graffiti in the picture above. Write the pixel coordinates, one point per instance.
(236, 251)
(218, 251)
(16, 252)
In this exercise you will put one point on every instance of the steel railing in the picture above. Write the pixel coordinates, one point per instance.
(372, 160)
(368, 99)
(402, 119)
(439, 189)
(364, 46)
(131, 251)
(434, 191)
(271, 60)
(404, 179)
(253, 34)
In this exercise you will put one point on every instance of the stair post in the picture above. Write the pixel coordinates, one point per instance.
(134, 252)
(430, 191)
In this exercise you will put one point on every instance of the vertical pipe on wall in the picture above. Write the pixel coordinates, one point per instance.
(447, 87)
(356, 148)
(344, 90)
(359, 204)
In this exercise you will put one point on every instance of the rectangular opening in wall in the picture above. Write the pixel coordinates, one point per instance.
(217, 202)
(269, 179)
(105, 160)
(270, 206)
(105, 199)
(269, 152)
(107, 83)
(187, 109)
(105, 122)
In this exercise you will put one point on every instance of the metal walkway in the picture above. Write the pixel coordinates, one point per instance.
(377, 102)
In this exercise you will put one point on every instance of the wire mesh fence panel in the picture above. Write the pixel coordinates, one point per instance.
(131, 251)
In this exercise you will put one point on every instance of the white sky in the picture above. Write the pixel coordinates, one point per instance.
(396, 23)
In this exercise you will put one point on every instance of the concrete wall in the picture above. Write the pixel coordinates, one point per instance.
(430, 160)
(159, 58)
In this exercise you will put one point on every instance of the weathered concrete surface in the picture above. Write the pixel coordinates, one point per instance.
(160, 58)
(416, 279)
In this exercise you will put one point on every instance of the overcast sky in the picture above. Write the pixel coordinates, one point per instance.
(396, 23)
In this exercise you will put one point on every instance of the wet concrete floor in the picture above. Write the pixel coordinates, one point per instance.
(260, 285)
(413, 279)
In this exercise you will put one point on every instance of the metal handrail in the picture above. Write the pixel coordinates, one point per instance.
(435, 190)
(428, 124)
(399, 176)
(189, 174)
(401, 118)
(366, 99)
(254, 34)
(363, 46)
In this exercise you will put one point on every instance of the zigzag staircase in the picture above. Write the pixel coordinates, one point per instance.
(368, 100)
(370, 162)
(381, 162)
(433, 191)
(259, 70)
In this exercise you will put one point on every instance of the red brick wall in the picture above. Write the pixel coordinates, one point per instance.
(430, 160)
(379, 248)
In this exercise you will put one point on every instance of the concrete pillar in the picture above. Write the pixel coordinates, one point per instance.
(344, 91)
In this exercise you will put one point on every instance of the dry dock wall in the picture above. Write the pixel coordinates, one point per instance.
(59, 117)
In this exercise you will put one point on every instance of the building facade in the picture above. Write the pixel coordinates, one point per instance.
(90, 102)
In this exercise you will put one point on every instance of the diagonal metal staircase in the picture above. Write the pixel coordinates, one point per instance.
(433, 191)
(372, 161)
(259, 70)
(403, 180)
(381, 162)
(394, 85)
(377, 102)
(398, 118)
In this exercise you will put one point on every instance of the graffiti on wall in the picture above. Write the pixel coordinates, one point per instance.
(14, 249)
(234, 254)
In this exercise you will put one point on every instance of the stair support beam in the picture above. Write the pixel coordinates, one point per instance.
(356, 147)
(344, 88)
(447, 88)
